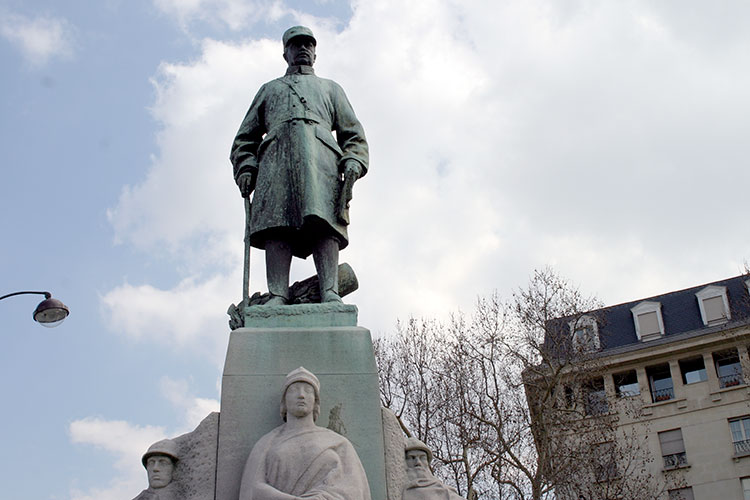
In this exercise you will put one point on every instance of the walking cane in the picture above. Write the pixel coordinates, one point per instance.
(246, 275)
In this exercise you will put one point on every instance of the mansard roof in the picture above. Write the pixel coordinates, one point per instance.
(680, 312)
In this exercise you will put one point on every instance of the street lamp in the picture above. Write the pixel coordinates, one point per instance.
(50, 312)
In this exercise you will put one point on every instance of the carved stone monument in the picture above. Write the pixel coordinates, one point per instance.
(330, 447)
(160, 461)
(421, 484)
(300, 459)
(323, 338)
(193, 456)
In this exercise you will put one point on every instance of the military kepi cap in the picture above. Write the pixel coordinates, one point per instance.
(296, 31)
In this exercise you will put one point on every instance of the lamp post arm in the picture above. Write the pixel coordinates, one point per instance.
(47, 295)
(50, 312)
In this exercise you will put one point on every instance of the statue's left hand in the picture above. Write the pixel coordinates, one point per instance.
(352, 168)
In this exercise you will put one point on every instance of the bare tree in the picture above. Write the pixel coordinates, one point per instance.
(511, 405)
(429, 393)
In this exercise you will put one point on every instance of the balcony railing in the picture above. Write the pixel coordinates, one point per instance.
(742, 447)
(663, 394)
(731, 380)
(675, 460)
(606, 472)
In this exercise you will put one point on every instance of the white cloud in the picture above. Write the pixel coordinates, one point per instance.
(189, 192)
(602, 139)
(127, 443)
(235, 14)
(40, 38)
(180, 316)
(502, 140)
(195, 409)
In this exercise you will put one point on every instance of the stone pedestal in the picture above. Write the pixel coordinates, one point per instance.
(324, 339)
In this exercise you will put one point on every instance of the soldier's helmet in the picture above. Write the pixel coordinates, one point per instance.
(413, 443)
(165, 447)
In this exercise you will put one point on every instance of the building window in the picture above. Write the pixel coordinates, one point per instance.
(681, 494)
(595, 402)
(605, 459)
(740, 428)
(745, 488)
(728, 368)
(570, 397)
(626, 384)
(693, 370)
(585, 334)
(714, 305)
(660, 382)
(649, 324)
(672, 449)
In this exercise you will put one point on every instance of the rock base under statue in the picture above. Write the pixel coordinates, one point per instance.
(276, 340)
(301, 315)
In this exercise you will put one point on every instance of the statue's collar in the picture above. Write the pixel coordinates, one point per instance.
(300, 70)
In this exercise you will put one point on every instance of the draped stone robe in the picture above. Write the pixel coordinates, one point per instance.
(169, 492)
(314, 463)
(428, 489)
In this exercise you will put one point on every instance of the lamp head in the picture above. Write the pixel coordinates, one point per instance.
(50, 312)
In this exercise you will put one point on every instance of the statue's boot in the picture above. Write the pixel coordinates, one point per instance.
(326, 257)
(278, 263)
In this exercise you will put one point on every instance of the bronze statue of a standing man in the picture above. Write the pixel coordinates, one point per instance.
(285, 151)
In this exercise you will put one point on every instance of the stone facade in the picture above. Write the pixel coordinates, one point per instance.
(687, 379)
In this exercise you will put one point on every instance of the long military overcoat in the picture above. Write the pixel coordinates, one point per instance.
(286, 139)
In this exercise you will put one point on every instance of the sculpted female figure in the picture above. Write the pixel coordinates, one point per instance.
(298, 459)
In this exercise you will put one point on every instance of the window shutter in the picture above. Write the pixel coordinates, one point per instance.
(671, 442)
(649, 323)
(714, 307)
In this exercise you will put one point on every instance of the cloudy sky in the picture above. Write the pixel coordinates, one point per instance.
(608, 139)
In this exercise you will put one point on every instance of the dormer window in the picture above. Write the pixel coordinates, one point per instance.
(585, 334)
(649, 324)
(714, 305)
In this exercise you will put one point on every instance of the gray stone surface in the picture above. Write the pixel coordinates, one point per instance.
(395, 466)
(421, 484)
(299, 459)
(197, 470)
(169, 492)
(258, 360)
(160, 462)
(194, 473)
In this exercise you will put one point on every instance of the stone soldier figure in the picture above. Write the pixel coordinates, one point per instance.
(299, 459)
(421, 484)
(285, 151)
(160, 461)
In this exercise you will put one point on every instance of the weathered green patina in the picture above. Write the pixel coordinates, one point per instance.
(286, 139)
(285, 150)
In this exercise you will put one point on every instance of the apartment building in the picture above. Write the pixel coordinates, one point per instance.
(683, 360)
